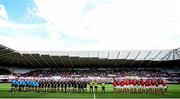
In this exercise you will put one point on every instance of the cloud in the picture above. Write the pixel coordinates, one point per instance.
(3, 13)
(97, 25)
(116, 24)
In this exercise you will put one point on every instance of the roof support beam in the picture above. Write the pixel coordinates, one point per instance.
(80, 61)
(61, 60)
(53, 60)
(13, 59)
(178, 54)
(169, 53)
(98, 60)
(89, 60)
(27, 60)
(135, 58)
(107, 58)
(23, 60)
(6, 54)
(116, 58)
(71, 61)
(126, 57)
(154, 58)
(4, 58)
(145, 58)
(45, 61)
(173, 55)
(36, 60)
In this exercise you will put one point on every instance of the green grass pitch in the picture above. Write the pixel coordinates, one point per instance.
(173, 92)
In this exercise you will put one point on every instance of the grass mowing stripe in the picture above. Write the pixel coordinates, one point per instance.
(174, 92)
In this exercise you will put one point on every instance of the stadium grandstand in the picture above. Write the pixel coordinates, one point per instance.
(147, 63)
(90, 68)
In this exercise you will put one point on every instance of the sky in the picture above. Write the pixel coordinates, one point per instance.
(54, 25)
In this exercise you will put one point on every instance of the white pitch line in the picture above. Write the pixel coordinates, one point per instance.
(94, 95)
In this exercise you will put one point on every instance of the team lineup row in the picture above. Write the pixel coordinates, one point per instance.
(53, 86)
(157, 86)
(120, 86)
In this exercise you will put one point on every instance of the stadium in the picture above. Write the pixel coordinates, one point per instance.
(102, 66)
(90, 49)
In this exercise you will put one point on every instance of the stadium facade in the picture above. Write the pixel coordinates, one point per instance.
(57, 59)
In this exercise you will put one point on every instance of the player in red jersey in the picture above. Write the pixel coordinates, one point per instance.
(134, 86)
(131, 85)
(127, 86)
(147, 86)
(160, 86)
(122, 85)
(115, 86)
(139, 86)
(142, 86)
(118, 86)
(157, 85)
(164, 87)
(152, 86)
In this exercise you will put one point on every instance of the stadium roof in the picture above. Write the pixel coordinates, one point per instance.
(10, 57)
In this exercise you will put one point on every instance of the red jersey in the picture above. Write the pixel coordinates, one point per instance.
(142, 83)
(114, 84)
(150, 84)
(139, 83)
(118, 83)
(164, 83)
(130, 82)
(134, 83)
(156, 83)
(147, 83)
(127, 83)
(122, 83)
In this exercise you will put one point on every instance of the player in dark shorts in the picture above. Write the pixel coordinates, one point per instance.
(58, 86)
(62, 86)
(79, 86)
(65, 86)
(85, 86)
(48, 86)
(23, 85)
(82, 86)
(51, 86)
(19, 85)
(68, 86)
(56, 90)
(103, 87)
(91, 87)
(29, 85)
(75, 86)
(71, 86)
(54, 86)
(40, 87)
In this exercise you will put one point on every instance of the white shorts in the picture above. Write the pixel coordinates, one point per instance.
(125, 86)
(134, 87)
(165, 87)
(160, 86)
(150, 86)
